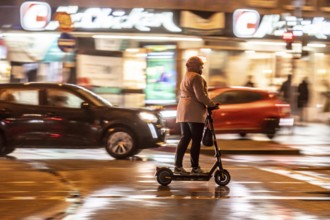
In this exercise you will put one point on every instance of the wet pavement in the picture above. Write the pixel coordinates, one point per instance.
(126, 189)
(38, 184)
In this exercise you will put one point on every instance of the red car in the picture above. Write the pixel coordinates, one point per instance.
(242, 110)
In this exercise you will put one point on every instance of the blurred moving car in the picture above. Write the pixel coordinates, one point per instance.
(242, 110)
(70, 116)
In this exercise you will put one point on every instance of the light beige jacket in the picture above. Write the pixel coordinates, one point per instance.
(193, 99)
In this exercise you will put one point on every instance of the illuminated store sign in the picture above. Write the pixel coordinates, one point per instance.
(35, 15)
(105, 18)
(245, 26)
(245, 22)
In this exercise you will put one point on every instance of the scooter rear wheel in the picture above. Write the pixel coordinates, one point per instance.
(164, 176)
(222, 177)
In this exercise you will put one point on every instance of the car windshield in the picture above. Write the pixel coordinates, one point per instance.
(237, 97)
(96, 99)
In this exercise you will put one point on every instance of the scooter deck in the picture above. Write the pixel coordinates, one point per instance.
(192, 177)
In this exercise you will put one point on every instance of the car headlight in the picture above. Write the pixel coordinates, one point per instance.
(168, 113)
(148, 117)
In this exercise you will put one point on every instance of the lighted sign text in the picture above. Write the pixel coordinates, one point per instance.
(273, 25)
(107, 18)
(34, 15)
(245, 25)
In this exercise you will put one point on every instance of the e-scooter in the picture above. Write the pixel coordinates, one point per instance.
(221, 176)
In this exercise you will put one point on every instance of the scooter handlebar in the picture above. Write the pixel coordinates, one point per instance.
(213, 108)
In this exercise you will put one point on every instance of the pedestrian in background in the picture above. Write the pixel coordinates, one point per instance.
(302, 98)
(191, 114)
(249, 82)
(326, 95)
(285, 89)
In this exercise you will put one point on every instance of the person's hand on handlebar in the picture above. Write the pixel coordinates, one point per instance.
(214, 107)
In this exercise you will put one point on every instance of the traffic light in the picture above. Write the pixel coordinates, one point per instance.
(288, 37)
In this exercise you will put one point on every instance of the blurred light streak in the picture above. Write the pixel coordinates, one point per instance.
(316, 45)
(273, 43)
(206, 50)
(19, 34)
(147, 37)
(250, 52)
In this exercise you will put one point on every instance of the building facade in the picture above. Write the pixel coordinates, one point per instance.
(134, 55)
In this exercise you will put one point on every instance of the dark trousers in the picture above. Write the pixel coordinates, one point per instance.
(190, 132)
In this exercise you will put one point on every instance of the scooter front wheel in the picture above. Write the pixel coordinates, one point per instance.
(164, 176)
(222, 177)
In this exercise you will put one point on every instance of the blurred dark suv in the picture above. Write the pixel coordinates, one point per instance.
(70, 116)
(242, 110)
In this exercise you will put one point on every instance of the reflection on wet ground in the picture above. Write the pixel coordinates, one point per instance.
(188, 193)
(100, 186)
(199, 201)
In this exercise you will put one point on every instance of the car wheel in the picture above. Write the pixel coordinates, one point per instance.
(120, 143)
(270, 136)
(242, 134)
(271, 125)
(2, 146)
(4, 150)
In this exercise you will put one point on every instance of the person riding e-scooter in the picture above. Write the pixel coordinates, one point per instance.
(191, 114)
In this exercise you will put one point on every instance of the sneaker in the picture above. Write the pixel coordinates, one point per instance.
(197, 170)
(180, 170)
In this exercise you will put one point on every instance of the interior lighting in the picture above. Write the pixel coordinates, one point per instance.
(283, 54)
(266, 43)
(321, 71)
(203, 59)
(267, 71)
(30, 34)
(165, 53)
(155, 38)
(250, 52)
(141, 55)
(206, 50)
(190, 53)
(316, 45)
(132, 50)
(282, 43)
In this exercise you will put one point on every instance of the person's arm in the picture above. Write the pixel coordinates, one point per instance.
(200, 90)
